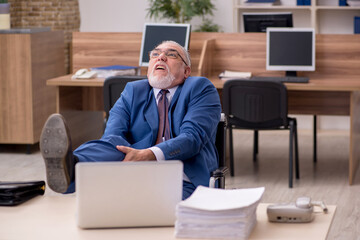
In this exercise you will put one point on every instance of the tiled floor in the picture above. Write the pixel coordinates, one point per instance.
(327, 180)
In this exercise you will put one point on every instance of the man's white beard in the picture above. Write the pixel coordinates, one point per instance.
(161, 82)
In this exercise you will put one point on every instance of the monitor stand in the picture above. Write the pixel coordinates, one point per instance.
(290, 74)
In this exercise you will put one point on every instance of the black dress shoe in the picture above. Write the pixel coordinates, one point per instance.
(55, 147)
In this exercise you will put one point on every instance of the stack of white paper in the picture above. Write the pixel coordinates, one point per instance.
(227, 75)
(218, 213)
(261, 3)
(114, 70)
(353, 3)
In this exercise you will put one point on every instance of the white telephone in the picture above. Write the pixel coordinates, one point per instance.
(84, 74)
(299, 212)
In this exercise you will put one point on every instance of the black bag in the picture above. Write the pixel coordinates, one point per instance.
(14, 193)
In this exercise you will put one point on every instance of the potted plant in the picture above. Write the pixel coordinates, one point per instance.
(4, 14)
(182, 11)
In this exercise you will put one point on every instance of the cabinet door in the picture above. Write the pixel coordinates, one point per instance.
(16, 89)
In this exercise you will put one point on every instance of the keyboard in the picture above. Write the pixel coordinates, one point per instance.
(283, 79)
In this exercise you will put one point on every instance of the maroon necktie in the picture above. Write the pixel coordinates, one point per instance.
(164, 129)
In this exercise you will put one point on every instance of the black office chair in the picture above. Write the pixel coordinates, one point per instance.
(259, 105)
(217, 178)
(113, 86)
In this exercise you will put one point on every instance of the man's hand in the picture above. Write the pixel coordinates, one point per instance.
(132, 154)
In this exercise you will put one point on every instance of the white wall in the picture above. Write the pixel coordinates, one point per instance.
(112, 15)
(130, 16)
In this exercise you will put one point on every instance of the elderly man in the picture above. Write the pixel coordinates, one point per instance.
(169, 116)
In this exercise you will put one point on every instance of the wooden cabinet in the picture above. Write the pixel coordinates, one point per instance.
(326, 16)
(27, 60)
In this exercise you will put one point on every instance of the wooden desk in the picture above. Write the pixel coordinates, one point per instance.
(54, 217)
(83, 100)
(334, 88)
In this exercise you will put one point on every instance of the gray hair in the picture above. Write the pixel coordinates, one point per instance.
(186, 52)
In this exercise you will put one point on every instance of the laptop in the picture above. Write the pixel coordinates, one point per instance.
(127, 194)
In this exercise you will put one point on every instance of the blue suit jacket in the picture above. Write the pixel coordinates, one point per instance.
(194, 113)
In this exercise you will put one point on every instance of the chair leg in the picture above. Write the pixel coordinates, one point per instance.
(231, 152)
(315, 139)
(256, 145)
(297, 169)
(224, 146)
(222, 182)
(291, 123)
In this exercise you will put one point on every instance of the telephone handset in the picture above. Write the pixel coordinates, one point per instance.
(84, 74)
(299, 212)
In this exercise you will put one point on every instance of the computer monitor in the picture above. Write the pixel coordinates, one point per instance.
(258, 22)
(290, 49)
(156, 33)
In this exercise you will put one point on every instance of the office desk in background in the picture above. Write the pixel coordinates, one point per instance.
(81, 102)
(53, 217)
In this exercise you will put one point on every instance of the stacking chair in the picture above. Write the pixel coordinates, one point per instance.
(113, 86)
(259, 105)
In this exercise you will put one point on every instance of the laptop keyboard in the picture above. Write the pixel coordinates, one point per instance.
(283, 79)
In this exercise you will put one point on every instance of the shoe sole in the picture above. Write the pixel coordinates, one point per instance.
(54, 147)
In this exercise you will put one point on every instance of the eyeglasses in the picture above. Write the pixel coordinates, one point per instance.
(170, 53)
